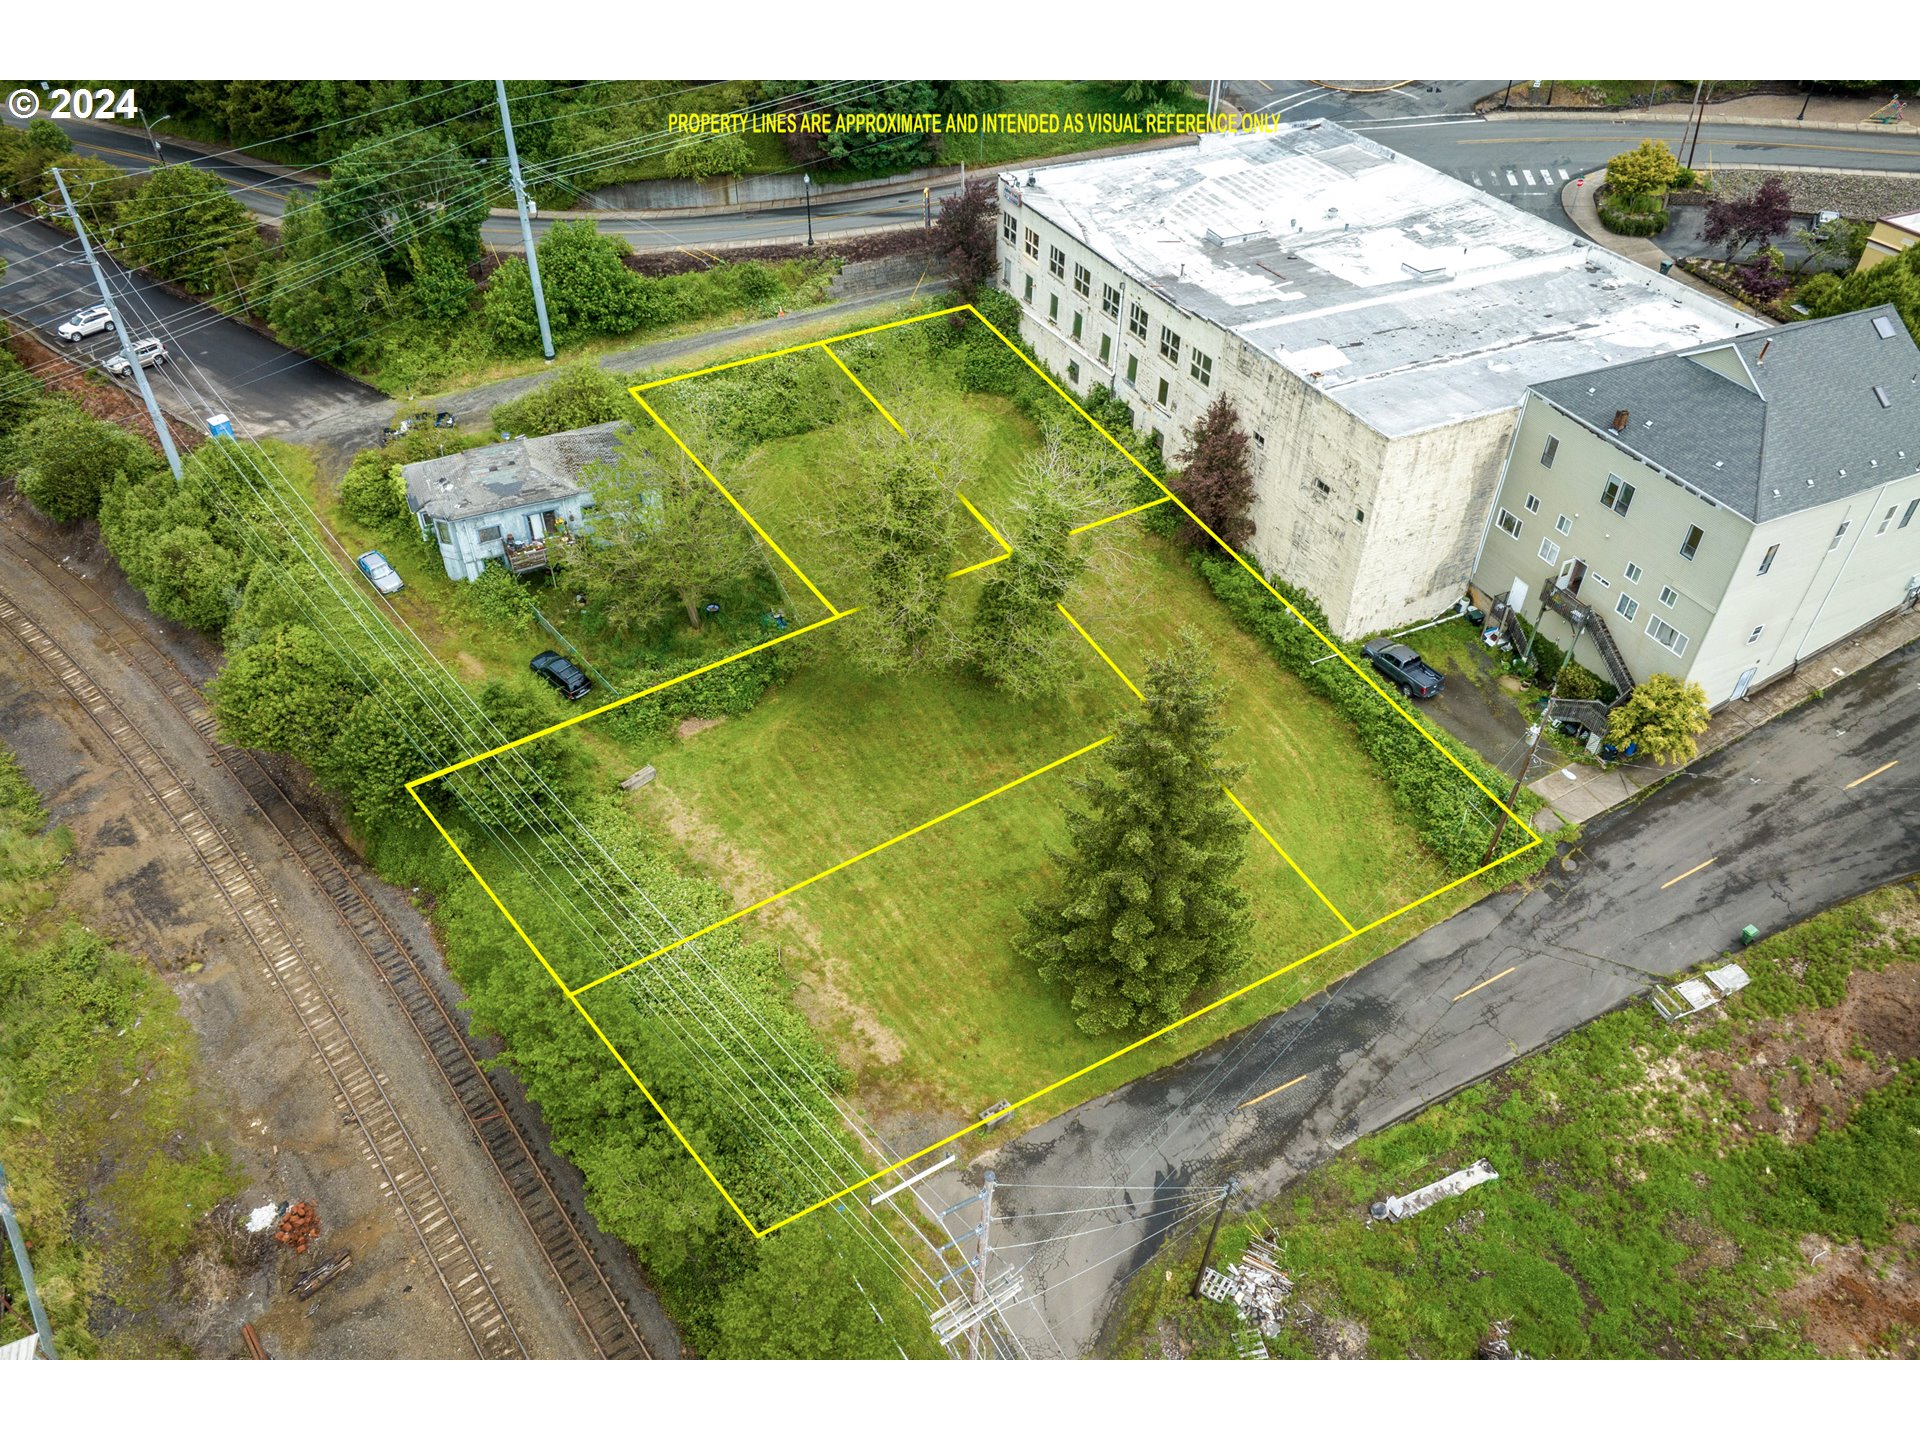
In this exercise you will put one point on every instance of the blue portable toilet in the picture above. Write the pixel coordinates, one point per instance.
(220, 427)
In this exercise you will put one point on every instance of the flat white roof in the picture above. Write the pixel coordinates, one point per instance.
(1418, 299)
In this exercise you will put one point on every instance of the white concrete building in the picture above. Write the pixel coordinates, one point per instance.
(1720, 514)
(1376, 323)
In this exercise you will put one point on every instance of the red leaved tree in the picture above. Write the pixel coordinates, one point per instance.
(1749, 219)
(1216, 476)
(964, 235)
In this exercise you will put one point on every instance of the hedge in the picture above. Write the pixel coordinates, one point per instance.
(1425, 786)
(1622, 221)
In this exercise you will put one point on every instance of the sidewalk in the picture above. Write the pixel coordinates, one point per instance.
(1824, 112)
(1577, 793)
(1577, 199)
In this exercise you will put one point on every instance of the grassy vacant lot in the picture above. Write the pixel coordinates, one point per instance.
(905, 958)
(1739, 1185)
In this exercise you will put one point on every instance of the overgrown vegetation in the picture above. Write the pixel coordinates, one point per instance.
(1738, 1185)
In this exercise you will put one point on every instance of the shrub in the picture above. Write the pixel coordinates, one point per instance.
(1624, 221)
(372, 490)
(67, 459)
(582, 394)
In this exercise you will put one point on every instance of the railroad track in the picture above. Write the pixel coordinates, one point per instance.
(590, 1294)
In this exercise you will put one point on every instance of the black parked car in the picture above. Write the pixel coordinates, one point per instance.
(561, 673)
(1404, 668)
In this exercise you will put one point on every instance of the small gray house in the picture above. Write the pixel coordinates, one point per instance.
(509, 502)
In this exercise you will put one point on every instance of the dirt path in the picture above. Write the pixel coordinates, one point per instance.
(136, 878)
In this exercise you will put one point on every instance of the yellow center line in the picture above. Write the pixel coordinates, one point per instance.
(1271, 1093)
(1108, 520)
(1483, 984)
(1263, 85)
(1101, 653)
(1727, 140)
(1290, 861)
(850, 860)
(1695, 871)
(1871, 773)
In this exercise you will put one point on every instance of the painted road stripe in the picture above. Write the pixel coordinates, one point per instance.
(1871, 773)
(1271, 1093)
(1510, 180)
(1563, 175)
(1527, 175)
(1695, 871)
(1483, 984)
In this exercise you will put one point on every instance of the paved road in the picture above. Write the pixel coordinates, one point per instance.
(260, 382)
(1786, 838)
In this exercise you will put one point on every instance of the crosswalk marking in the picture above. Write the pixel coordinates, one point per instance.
(1564, 175)
(1527, 175)
(1510, 179)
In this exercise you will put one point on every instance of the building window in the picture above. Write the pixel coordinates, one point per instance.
(1633, 573)
(1691, 545)
(1076, 324)
(1169, 346)
(1533, 504)
(1766, 560)
(487, 533)
(1838, 536)
(1033, 242)
(1133, 368)
(1053, 310)
(440, 529)
(1163, 391)
(1056, 262)
(1010, 227)
(1006, 274)
(1617, 496)
(1201, 368)
(1627, 607)
(1360, 516)
(1082, 281)
(1549, 551)
(1106, 349)
(1029, 290)
(1605, 584)
(1508, 521)
(1665, 634)
(1563, 525)
(1756, 634)
(1552, 449)
(1110, 302)
(1322, 487)
(1668, 595)
(1907, 514)
(1886, 521)
(1261, 441)
(1137, 321)
(1073, 371)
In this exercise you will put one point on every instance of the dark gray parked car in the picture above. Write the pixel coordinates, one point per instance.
(561, 673)
(1403, 667)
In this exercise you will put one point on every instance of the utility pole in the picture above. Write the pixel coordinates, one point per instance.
(926, 201)
(20, 1259)
(981, 1251)
(160, 430)
(806, 184)
(1701, 100)
(526, 224)
(1533, 738)
(157, 157)
(1226, 1193)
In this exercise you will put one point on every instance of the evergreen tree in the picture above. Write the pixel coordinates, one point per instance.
(1019, 640)
(1148, 910)
(1216, 479)
(1661, 717)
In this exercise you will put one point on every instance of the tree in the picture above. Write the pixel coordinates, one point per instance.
(1648, 169)
(67, 459)
(964, 234)
(1894, 282)
(373, 491)
(1837, 243)
(322, 298)
(589, 290)
(1216, 476)
(1151, 92)
(1147, 909)
(1747, 219)
(805, 1299)
(1660, 717)
(894, 517)
(1020, 641)
(662, 534)
(287, 692)
(181, 225)
(723, 153)
(578, 395)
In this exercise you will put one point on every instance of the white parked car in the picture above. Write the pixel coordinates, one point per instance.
(148, 352)
(90, 321)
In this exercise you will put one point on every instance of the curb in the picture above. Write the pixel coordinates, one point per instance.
(1643, 117)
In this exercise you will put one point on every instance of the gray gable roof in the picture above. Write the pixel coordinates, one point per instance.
(1803, 426)
(527, 470)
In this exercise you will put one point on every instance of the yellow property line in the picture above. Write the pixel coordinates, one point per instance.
(807, 345)
(1244, 1104)
(1483, 984)
(852, 860)
(1096, 524)
(1871, 773)
(573, 996)
(641, 400)
(863, 389)
(1098, 651)
(1694, 871)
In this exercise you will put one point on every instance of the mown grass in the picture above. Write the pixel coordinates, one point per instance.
(1639, 1212)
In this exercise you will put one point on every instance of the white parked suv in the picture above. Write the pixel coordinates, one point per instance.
(149, 353)
(90, 321)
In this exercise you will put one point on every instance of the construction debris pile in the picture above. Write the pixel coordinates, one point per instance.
(1255, 1284)
(299, 1227)
(1399, 1207)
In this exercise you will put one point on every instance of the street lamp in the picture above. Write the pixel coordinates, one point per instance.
(806, 182)
(149, 128)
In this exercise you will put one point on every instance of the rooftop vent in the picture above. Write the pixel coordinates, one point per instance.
(1214, 237)
(1761, 358)
(1883, 326)
(1619, 421)
(1426, 273)
(1880, 394)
